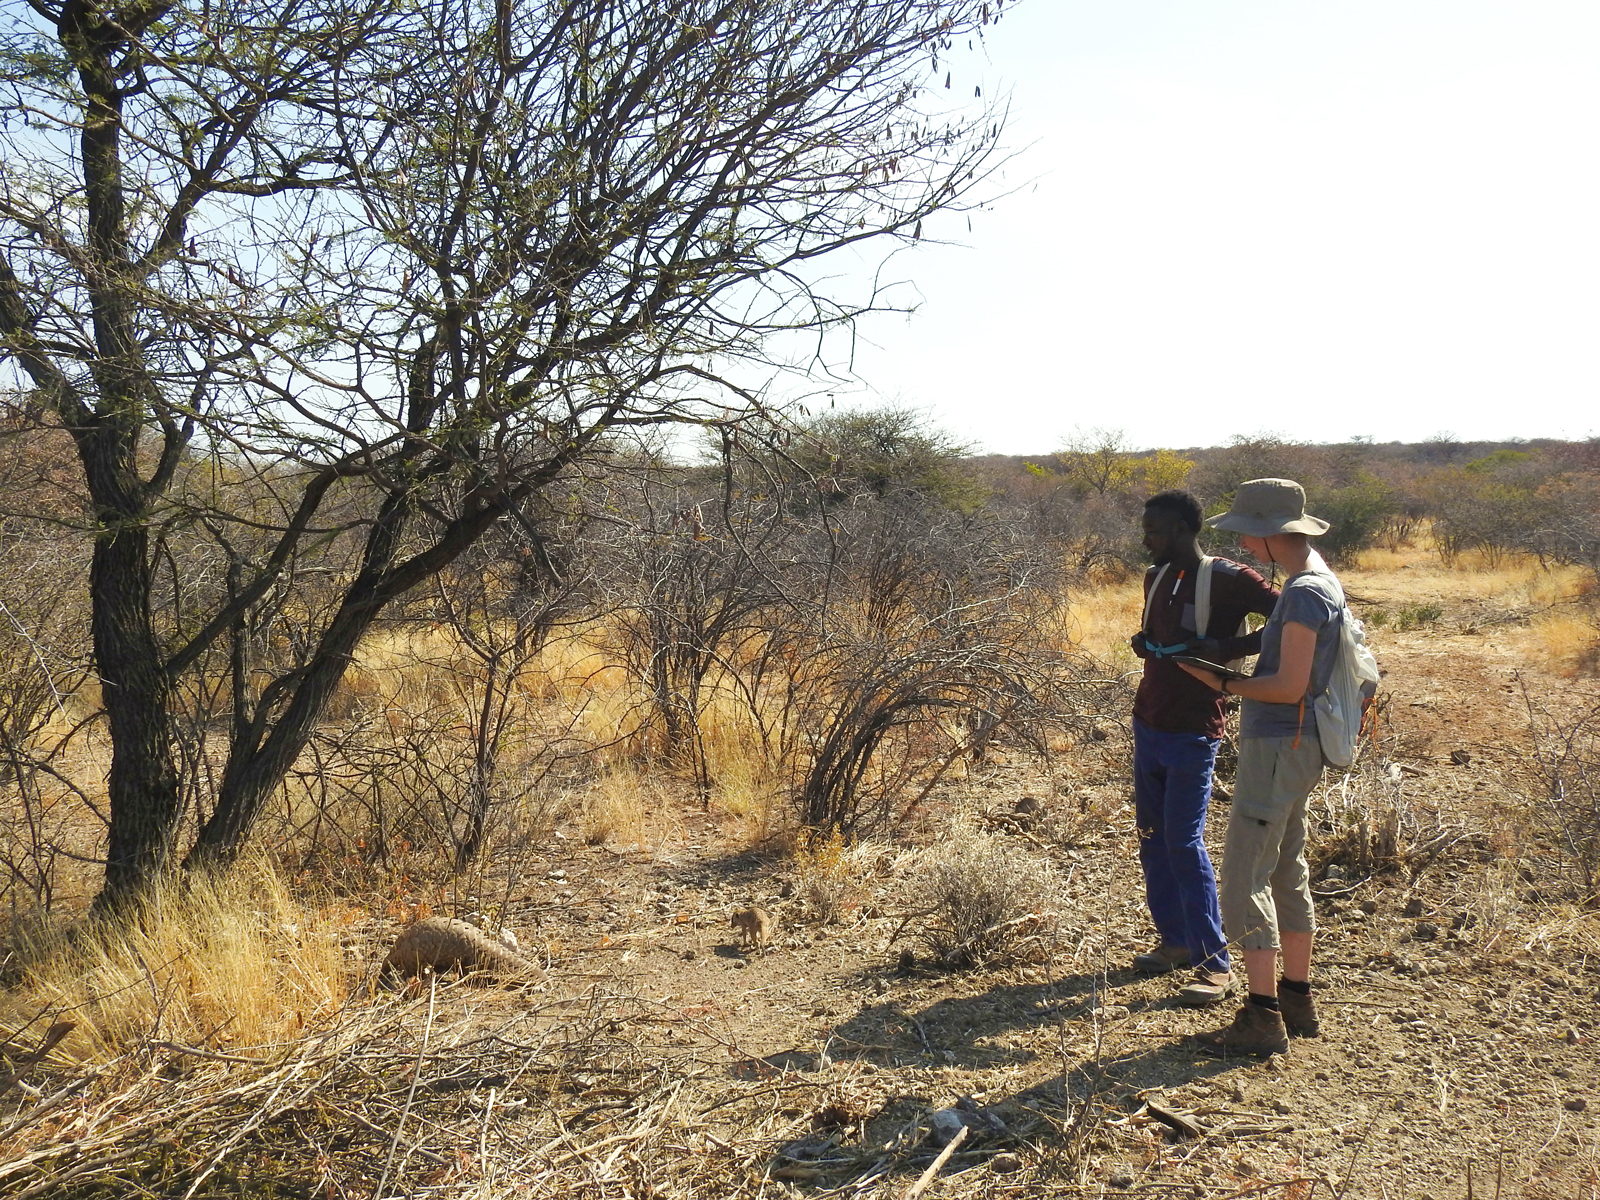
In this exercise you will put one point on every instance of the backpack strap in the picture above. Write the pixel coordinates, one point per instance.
(1150, 596)
(1202, 595)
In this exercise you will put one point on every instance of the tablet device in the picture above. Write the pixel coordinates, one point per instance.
(1214, 668)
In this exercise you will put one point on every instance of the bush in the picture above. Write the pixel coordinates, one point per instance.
(986, 901)
(1566, 753)
(831, 877)
(1416, 616)
(1356, 516)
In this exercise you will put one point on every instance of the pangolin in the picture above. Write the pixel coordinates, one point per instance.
(439, 943)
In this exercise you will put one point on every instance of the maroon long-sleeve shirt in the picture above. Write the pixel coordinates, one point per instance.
(1169, 699)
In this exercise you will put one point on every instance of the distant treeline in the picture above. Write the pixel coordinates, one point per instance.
(1539, 497)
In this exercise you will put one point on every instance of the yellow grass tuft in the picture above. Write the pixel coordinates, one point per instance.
(1568, 640)
(614, 810)
(233, 964)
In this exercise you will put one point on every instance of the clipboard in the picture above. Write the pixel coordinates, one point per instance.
(1214, 668)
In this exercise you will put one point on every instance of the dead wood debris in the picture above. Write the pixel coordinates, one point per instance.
(541, 1096)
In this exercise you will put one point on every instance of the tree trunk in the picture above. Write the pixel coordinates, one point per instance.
(143, 783)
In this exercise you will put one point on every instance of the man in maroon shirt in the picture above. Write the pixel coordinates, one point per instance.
(1177, 726)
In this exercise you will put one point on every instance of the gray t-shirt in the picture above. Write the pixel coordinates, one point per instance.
(1314, 599)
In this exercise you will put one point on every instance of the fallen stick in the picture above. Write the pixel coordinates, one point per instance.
(1176, 1121)
(950, 1147)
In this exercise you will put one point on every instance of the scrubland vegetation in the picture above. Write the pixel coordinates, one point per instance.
(811, 655)
(389, 528)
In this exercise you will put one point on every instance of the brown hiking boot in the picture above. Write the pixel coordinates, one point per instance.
(1256, 1031)
(1299, 1013)
(1162, 959)
(1207, 987)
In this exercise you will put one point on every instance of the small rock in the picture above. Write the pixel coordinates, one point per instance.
(1121, 1179)
(1425, 931)
(1098, 734)
(1460, 757)
(739, 964)
(785, 890)
(1333, 872)
(1028, 804)
(944, 1125)
(1112, 1012)
(879, 986)
(1413, 907)
(1399, 1104)
(1572, 1036)
(1006, 1163)
(1282, 1108)
(908, 961)
(688, 955)
(1369, 907)
(1247, 1166)
(981, 1123)
(1574, 1104)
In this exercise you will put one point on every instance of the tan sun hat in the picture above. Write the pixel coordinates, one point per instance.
(1263, 507)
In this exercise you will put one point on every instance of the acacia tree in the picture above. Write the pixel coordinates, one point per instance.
(378, 272)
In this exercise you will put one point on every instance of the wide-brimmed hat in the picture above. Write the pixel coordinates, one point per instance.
(1263, 507)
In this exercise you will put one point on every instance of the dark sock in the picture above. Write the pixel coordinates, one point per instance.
(1303, 986)
(1265, 1002)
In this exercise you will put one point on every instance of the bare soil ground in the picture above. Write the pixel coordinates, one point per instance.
(1459, 980)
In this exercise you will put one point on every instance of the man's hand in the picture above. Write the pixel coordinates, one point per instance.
(1138, 644)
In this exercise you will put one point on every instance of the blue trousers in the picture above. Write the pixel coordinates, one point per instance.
(1171, 791)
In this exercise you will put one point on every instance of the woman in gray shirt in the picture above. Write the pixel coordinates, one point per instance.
(1265, 892)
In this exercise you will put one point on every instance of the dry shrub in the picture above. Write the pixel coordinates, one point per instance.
(986, 900)
(831, 876)
(1566, 755)
(231, 962)
(1376, 818)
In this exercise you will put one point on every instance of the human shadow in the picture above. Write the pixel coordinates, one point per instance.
(978, 1032)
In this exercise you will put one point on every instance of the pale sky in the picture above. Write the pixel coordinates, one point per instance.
(1312, 218)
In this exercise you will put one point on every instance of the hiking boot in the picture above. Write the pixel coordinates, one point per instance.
(1162, 959)
(1299, 1013)
(1255, 1031)
(1206, 987)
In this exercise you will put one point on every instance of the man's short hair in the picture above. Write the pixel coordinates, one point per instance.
(1181, 505)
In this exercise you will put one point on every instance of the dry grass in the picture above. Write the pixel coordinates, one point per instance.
(1544, 613)
(1100, 620)
(238, 963)
(1568, 640)
(614, 807)
(1413, 573)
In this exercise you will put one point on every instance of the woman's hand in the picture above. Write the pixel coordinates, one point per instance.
(1287, 685)
(1210, 678)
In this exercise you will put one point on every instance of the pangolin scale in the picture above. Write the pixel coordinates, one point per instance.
(439, 943)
